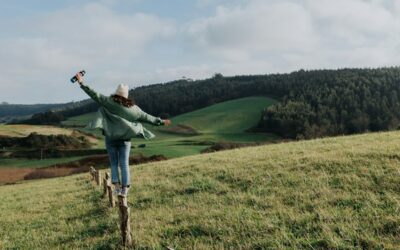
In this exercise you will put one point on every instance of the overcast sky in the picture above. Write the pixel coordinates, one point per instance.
(139, 42)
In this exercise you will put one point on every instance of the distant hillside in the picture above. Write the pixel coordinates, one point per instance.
(16, 112)
(193, 132)
(336, 193)
(312, 104)
(9, 112)
(56, 114)
(22, 109)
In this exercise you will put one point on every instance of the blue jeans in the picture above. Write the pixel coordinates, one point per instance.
(118, 152)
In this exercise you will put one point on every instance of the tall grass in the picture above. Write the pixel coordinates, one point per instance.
(337, 193)
(60, 213)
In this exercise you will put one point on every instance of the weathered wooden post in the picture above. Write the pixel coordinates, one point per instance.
(98, 178)
(109, 191)
(105, 180)
(125, 225)
(92, 172)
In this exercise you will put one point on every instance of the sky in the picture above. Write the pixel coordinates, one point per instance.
(43, 43)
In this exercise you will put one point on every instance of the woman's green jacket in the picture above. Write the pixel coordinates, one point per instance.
(117, 121)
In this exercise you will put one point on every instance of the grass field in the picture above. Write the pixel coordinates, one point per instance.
(225, 121)
(24, 130)
(81, 120)
(230, 117)
(336, 193)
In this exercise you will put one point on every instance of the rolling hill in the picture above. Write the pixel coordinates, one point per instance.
(237, 116)
(21, 112)
(9, 112)
(230, 117)
(227, 117)
(19, 131)
(335, 193)
(226, 121)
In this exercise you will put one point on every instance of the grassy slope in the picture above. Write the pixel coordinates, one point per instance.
(225, 121)
(60, 213)
(229, 117)
(337, 193)
(25, 130)
(81, 120)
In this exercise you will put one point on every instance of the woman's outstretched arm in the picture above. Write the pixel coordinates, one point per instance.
(143, 116)
(97, 97)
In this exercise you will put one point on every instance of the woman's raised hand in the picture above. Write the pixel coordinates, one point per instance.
(79, 77)
(167, 122)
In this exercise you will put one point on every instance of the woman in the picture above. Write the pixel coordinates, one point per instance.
(118, 118)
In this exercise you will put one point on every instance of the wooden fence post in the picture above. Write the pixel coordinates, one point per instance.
(105, 180)
(92, 172)
(125, 225)
(98, 178)
(109, 190)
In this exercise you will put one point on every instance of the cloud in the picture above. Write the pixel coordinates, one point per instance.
(288, 35)
(54, 45)
(258, 26)
(358, 32)
(355, 22)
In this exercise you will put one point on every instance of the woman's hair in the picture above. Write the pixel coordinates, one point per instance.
(123, 101)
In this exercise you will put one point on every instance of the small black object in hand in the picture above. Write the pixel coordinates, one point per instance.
(74, 79)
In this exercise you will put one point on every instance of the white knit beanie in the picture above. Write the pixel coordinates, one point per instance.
(122, 90)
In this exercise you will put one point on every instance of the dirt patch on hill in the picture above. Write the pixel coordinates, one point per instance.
(219, 146)
(13, 175)
(181, 129)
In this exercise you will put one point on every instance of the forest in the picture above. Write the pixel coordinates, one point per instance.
(326, 103)
(312, 104)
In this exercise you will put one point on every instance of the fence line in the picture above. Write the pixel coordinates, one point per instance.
(124, 210)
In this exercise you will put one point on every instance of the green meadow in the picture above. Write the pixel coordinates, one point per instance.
(227, 121)
(335, 193)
